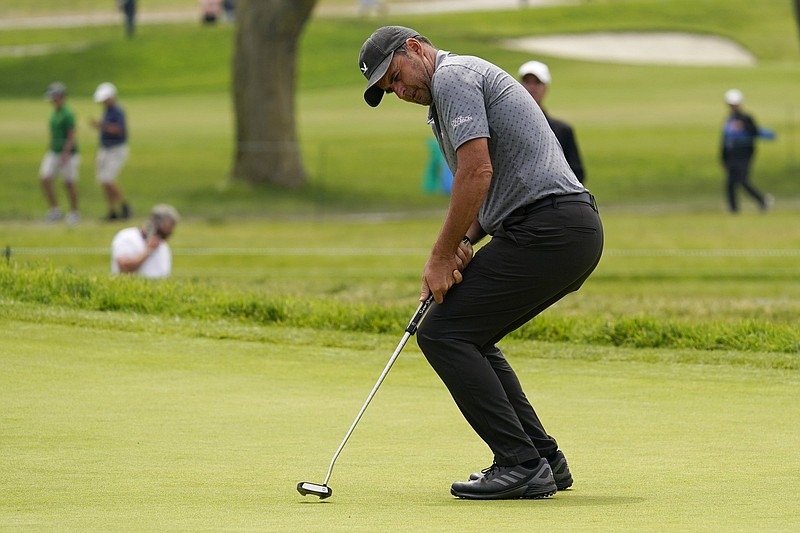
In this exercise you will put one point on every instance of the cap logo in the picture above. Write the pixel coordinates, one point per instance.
(364, 68)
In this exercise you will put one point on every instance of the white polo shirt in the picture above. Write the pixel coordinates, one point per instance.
(130, 242)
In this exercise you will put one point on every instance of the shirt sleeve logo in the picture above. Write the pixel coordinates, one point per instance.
(459, 121)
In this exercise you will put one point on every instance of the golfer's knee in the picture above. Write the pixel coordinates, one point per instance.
(431, 341)
(426, 338)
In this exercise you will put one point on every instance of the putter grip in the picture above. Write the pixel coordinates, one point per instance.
(421, 310)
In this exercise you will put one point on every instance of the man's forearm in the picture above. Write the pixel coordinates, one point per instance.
(470, 187)
(466, 199)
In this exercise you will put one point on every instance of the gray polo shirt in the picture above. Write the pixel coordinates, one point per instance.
(473, 98)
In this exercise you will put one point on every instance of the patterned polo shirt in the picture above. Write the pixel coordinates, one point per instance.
(473, 98)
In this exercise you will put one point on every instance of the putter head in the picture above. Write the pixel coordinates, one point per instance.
(323, 491)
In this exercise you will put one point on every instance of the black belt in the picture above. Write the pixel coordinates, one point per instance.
(554, 200)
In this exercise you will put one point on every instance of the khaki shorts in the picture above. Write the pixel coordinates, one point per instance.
(109, 162)
(51, 166)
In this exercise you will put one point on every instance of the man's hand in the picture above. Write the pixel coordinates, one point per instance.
(153, 242)
(438, 276)
(441, 273)
(463, 254)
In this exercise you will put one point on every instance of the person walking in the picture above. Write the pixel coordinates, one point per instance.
(739, 135)
(210, 11)
(62, 156)
(113, 151)
(144, 251)
(511, 181)
(128, 8)
(535, 77)
(367, 8)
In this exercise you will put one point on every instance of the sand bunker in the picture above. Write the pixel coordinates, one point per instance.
(640, 48)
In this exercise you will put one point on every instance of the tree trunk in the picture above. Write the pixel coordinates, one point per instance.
(264, 67)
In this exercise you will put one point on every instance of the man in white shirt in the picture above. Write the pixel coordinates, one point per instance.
(144, 251)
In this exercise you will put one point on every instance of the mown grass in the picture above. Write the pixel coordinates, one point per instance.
(164, 431)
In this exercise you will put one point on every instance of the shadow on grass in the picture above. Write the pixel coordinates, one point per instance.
(562, 499)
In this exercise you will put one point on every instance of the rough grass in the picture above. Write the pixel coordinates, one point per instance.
(180, 301)
(703, 281)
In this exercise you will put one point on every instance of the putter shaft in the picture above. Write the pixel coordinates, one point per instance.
(410, 330)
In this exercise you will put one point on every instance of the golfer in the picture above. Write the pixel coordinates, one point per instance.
(511, 181)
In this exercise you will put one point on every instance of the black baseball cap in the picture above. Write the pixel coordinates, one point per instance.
(376, 54)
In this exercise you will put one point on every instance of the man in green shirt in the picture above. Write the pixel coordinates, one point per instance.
(62, 156)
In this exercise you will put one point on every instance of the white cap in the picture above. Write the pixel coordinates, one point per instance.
(536, 68)
(734, 97)
(105, 91)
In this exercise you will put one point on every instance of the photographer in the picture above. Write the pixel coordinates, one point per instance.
(144, 251)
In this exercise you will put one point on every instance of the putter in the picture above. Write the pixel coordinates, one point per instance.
(324, 491)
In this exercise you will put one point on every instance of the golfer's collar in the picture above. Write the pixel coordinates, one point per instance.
(440, 55)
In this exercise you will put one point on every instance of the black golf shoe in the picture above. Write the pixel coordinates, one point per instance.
(508, 482)
(561, 473)
(559, 466)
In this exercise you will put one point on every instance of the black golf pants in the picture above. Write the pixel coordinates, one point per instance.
(541, 254)
(738, 170)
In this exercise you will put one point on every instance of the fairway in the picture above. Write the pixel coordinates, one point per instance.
(178, 433)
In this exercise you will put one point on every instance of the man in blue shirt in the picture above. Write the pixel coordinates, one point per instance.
(739, 137)
(113, 151)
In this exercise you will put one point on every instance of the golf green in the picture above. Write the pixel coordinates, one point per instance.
(111, 430)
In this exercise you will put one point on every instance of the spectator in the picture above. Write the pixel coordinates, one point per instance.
(229, 7)
(144, 251)
(437, 178)
(368, 8)
(62, 157)
(738, 148)
(535, 77)
(128, 7)
(210, 11)
(113, 150)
